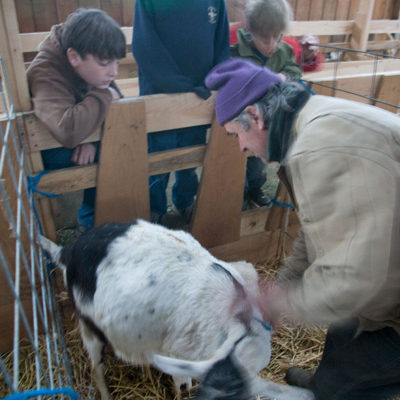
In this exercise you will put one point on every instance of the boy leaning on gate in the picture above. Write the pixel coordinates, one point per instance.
(71, 81)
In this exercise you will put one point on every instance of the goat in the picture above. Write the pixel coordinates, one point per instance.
(152, 292)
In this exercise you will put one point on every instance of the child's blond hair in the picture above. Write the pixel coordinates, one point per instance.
(268, 18)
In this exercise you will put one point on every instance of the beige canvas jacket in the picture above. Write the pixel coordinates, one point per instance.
(61, 99)
(344, 169)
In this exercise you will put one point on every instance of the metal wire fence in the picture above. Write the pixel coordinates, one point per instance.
(368, 84)
(31, 325)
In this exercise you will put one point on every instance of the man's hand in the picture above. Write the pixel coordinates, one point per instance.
(84, 154)
(273, 303)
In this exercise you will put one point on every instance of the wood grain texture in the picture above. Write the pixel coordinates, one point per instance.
(122, 179)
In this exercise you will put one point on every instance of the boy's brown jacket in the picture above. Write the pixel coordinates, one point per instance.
(64, 102)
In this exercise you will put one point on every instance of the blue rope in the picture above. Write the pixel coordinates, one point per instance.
(33, 182)
(306, 87)
(42, 392)
(264, 324)
(279, 204)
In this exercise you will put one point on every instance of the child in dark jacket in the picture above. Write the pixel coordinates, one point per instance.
(175, 44)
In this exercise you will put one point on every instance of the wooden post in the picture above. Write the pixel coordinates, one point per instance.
(122, 180)
(216, 220)
(11, 50)
(361, 27)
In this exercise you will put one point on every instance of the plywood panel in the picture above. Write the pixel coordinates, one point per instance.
(45, 14)
(64, 8)
(89, 3)
(128, 7)
(219, 201)
(113, 8)
(303, 12)
(24, 9)
(122, 179)
(389, 91)
(317, 8)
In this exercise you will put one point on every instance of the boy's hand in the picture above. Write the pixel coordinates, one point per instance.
(84, 154)
(114, 93)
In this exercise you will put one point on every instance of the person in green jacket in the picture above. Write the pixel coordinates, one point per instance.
(260, 42)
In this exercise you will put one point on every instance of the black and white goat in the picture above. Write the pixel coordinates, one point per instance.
(154, 294)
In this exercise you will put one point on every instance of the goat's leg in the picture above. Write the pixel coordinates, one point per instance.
(277, 391)
(95, 347)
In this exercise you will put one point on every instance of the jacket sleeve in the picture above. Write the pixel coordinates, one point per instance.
(153, 59)
(55, 105)
(348, 206)
(295, 264)
(291, 68)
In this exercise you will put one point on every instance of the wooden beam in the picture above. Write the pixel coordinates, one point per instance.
(361, 28)
(77, 178)
(163, 112)
(10, 49)
(216, 218)
(122, 193)
(30, 41)
(350, 69)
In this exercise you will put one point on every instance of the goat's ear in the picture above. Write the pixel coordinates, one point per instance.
(176, 367)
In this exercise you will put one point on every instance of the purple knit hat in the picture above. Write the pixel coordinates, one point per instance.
(239, 83)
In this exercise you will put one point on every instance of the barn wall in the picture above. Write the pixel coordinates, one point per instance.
(40, 15)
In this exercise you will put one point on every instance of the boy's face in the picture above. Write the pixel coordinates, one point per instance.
(266, 46)
(96, 72)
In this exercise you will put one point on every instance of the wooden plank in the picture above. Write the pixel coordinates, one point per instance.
(10, 49)
(44, 14)
(7, 323)
(379, 9)
(163, 112)
(316, 9)
(177, 159)
(122, 179)
(128, 7)
(389, 91)
(64, 8)
(253, 221)
(320, 27)
(260, 247)
(303, 12)
(113, 9)
(354, 6)
(43, 204)
(354, 69)
(89, 3)
(342, 10)
(30, 41)
(361, 85)
(329, 12)
(361, 28)
(216, 219)
(84, 177)
(25, 16)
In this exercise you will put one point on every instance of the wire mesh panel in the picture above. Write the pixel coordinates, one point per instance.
(33, 357)
(373, 78)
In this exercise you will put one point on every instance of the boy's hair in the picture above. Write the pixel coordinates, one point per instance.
(268, 18)
(92, 31)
